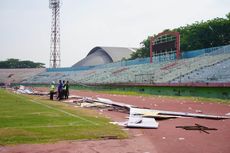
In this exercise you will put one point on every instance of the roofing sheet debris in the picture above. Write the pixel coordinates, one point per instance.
(138, 117)
(146, 113)
(145, 118)
(142, 122)
(140, 111)
(110, 102)
(27, 90)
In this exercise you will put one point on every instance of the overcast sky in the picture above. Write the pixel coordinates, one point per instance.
(25, 25)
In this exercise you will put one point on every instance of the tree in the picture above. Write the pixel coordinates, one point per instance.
(143, 51)
(16, 63)
(228, 16)
(207, 34)
(204, 34)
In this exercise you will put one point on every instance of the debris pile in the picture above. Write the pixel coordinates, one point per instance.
(99, 103)
(138, 117)
(28, 90)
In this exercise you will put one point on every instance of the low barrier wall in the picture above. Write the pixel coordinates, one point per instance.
(197, 90)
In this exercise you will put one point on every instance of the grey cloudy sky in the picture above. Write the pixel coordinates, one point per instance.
(25, 25)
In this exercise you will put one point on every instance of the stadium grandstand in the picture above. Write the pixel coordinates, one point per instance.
(204, 67)
(200, 66)
(8, 76)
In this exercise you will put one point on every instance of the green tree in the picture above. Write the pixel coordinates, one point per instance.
(228, 16)
(207, 34)
(204, 34)
(143, 51)
(16, 63)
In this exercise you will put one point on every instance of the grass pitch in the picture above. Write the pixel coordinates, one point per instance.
(28, 119)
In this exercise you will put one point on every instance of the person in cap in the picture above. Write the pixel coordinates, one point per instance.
(52, 90)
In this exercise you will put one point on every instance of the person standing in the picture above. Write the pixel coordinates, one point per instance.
(67, 90)
(64, 89)
(60, 86)
(52, 90)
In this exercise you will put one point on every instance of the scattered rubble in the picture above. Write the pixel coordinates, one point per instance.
(28, 90)
(138, 117)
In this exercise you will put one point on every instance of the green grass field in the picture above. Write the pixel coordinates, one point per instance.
(29, 119)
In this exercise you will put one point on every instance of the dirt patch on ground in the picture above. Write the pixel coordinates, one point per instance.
(166, 139)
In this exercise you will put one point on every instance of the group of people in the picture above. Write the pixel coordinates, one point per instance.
(62, 90)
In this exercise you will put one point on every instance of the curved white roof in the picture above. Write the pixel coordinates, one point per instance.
(105, 55)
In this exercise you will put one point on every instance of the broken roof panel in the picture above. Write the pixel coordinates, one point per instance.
(139, 111)
(142, 122)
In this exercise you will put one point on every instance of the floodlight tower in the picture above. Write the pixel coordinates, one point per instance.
(55, 60)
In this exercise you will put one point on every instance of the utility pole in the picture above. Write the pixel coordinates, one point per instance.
(55, 59)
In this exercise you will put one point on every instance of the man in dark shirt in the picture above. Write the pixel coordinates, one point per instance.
(67, 90)
(60, 86)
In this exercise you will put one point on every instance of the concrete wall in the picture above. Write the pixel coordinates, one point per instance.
(208, 92)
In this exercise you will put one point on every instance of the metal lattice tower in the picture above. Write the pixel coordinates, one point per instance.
(55, 60)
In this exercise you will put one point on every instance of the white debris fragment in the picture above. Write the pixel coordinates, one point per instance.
(181, 139)
(198, 111)
(137, 135)
(120, 123)
(142, 122)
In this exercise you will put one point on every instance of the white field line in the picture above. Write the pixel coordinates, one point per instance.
(65, 112)
(59, 110)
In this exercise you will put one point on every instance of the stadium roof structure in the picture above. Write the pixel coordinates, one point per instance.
(104, 55)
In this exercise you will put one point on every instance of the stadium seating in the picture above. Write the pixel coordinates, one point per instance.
(17, 75)
(215, 72)
(211, 66)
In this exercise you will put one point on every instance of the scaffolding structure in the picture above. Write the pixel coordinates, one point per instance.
(165, 46)
(55, 59)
